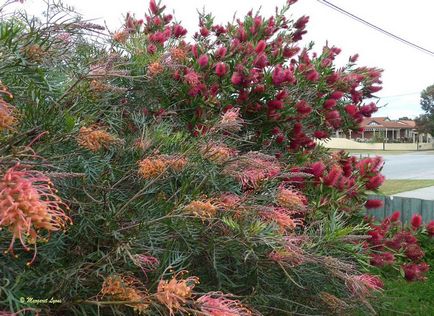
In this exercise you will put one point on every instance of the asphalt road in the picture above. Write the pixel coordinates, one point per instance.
(417, 165)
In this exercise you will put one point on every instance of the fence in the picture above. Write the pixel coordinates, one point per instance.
(407, 207)
(348, 144)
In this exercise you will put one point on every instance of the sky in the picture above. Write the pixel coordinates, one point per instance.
(407, 71)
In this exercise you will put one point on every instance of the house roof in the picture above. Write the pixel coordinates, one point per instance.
(384, 122)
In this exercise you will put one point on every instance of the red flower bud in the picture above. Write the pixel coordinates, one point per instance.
(320, 134)
(221, 52)
(261, 46)
(416, 221)
(374, 204)
(151, 49)
(153, 7)
(312, 75)
(318, 168)
(204, 32)
(337, 95)
(203, 60)
(179, 31)
(236, 78)
(395, 216)
(329, 104)
(301, 22)
(221, 69)
(430, 228)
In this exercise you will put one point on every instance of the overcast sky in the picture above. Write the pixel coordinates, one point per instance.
(407, 71)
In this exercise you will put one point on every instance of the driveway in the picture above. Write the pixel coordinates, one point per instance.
(417, 165)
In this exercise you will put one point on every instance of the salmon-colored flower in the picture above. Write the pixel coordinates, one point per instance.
(202, 209)
(253, 168)
(128, 289)
(231, 120)
(29, 203)
(146, 262)
(175, 293)
(363, 285)
(282, 217)
(229, 200)
(291, 199)
(95, 138)
(218, 304)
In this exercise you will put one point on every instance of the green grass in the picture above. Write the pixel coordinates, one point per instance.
(407, 298)
(396, 186)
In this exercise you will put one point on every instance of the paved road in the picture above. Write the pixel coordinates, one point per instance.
(418, 165)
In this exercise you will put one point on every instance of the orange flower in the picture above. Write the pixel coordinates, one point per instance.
(291, 199)
(34, 53)
(151, 168)
(120, 37)
(178, 54)
(218, 153)
(94, 138)
(201, 209)
(99, 87)
(28, 203)
(282, 217)
(155, 68)
(142, 144)
(129, 289)
(175, 293)
(7, 116)
(176, 163)
(217, 304)
(332, 302)
(7, 112)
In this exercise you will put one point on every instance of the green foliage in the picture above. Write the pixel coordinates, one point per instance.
(93, 119)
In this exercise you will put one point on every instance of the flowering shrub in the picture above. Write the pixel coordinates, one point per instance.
(396, 246)
(176, 155)
(254, 67)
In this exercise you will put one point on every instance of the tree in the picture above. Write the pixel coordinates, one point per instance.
(425, 122)
(427, 100)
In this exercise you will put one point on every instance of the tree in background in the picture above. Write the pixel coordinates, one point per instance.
(425, 122)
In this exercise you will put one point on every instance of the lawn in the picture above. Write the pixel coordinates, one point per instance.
(407, 298)
(396, 186)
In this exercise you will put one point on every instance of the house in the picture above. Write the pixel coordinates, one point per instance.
(384, 129)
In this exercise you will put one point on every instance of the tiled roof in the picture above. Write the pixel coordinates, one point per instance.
(385, 122)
